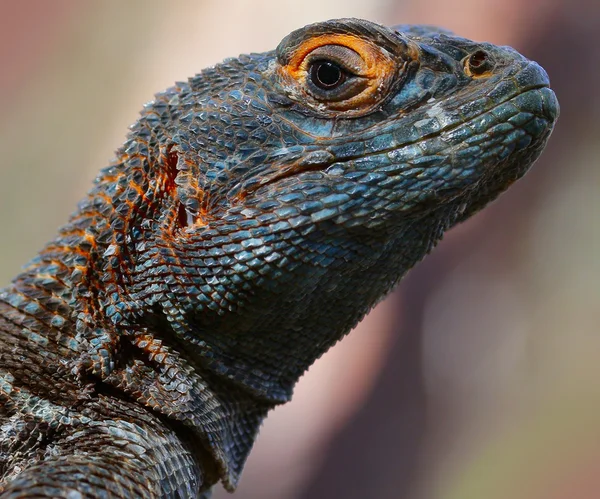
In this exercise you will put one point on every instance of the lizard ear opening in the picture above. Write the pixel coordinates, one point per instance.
(181, 186)
(184, 219)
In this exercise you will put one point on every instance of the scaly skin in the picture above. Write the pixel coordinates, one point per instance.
(251, 219)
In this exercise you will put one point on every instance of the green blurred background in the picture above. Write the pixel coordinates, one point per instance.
(477, 378)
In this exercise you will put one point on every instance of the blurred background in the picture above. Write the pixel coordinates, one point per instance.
(479, 376)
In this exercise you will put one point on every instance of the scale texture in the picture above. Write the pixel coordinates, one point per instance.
(253, 216)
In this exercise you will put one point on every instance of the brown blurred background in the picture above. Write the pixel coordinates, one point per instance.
(479, 377)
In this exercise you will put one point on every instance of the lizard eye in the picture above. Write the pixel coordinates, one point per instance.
(337, 73)
(334, 73)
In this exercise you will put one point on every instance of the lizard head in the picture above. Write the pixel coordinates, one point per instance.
(368, 125)
(329, 165)
(260, 209)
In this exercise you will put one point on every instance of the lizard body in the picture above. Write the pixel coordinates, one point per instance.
(253, 216)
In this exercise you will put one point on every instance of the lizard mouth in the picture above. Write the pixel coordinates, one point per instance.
(539, 97)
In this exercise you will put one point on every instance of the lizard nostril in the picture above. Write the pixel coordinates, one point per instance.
(478, 63)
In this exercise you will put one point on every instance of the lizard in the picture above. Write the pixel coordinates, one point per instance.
(254, 214)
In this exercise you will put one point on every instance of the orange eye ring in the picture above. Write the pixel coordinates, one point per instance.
(360, 73)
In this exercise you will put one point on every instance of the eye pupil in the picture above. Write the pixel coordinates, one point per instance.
(326, 75)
